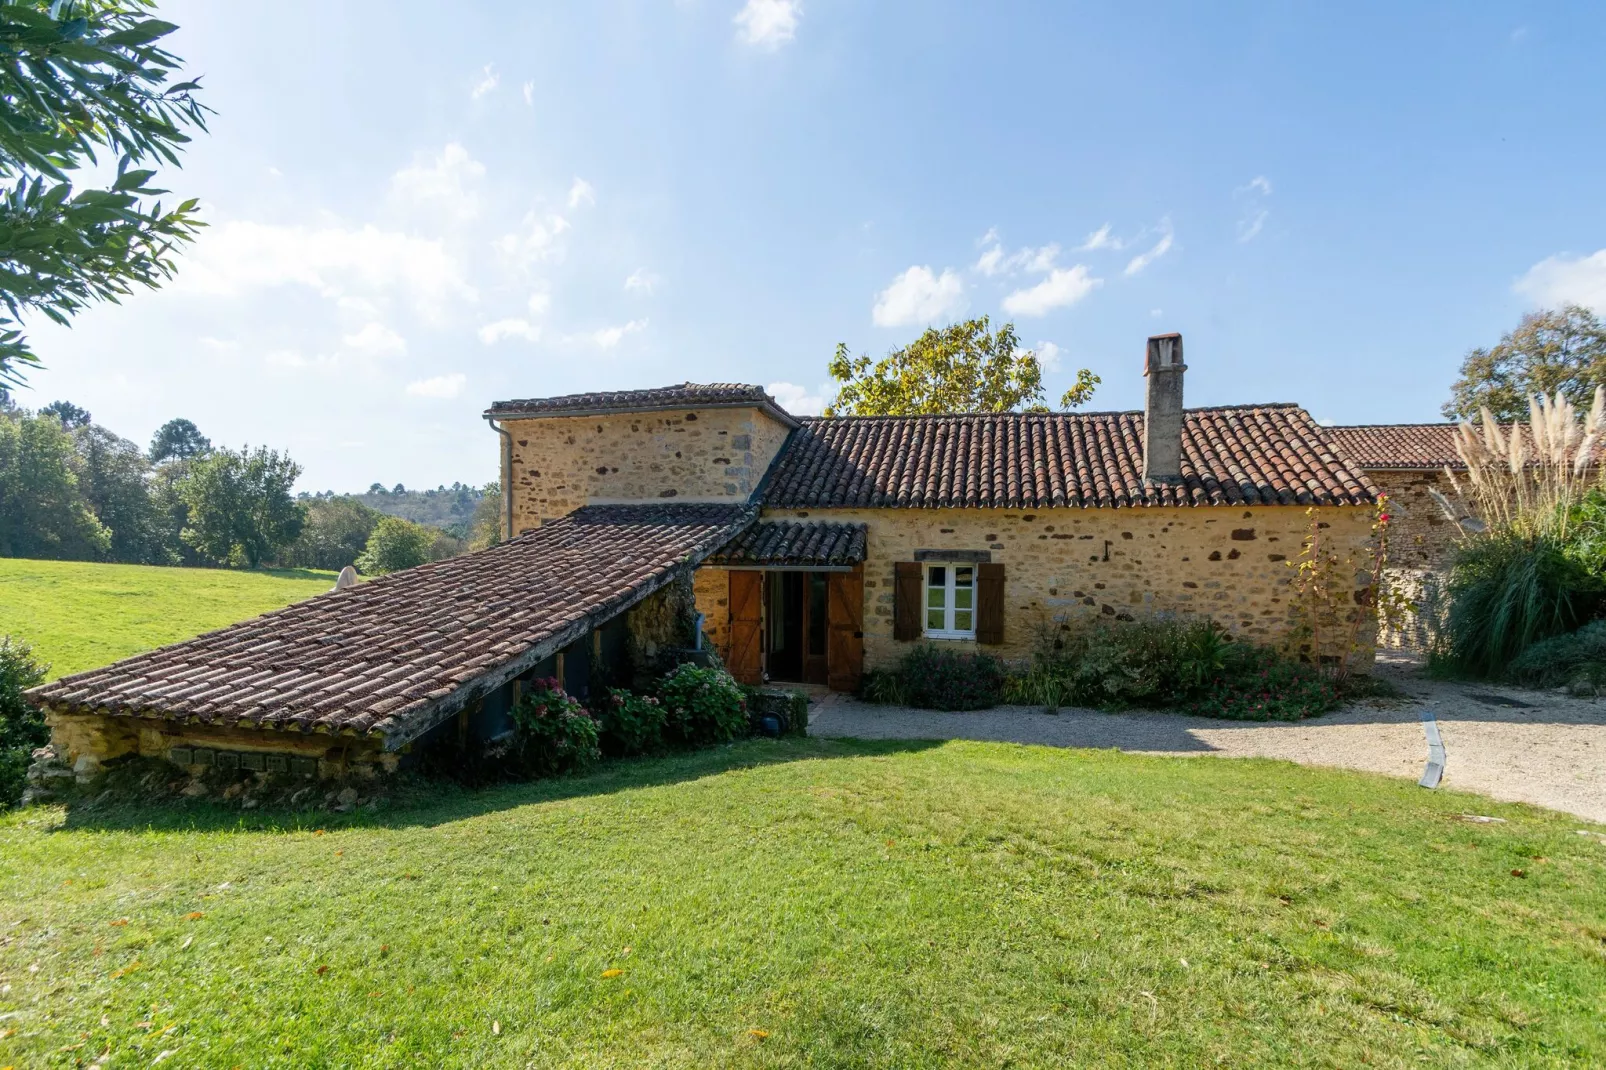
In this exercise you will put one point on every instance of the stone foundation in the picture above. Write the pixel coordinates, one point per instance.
(89, 741)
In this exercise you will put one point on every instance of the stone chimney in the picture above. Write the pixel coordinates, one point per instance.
(1162, 410)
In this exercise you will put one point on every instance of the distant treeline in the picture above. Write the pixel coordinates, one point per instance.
(72, 489)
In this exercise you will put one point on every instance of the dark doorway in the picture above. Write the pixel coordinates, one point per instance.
(795, 617)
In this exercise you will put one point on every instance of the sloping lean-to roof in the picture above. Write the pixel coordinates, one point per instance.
(1239, 455)
(657, 399)
(395, 656)
(1412, 446)
(795, 544)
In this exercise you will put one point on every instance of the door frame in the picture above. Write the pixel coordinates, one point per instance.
(836, 677)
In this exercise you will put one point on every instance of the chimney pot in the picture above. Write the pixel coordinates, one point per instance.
(1162, 409)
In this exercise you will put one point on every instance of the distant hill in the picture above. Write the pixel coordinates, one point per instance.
(449, 508)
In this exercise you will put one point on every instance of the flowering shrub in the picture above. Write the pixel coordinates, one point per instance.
(631, 723)
(702, 706)
(553, 733)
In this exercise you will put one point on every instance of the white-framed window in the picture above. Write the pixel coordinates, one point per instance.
(951, 601)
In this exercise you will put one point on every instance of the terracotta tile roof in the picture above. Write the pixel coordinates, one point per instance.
(680, 396)
(787, 542)
(1248, 455)
(394, 656)
(1416, 446)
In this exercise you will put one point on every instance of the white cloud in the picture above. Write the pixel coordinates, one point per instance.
(768, 23)
(1253, 195)
(608, 337)
(1064, 286)
(538, 241)
(993, 260)
(529, 94)
(493, 333)
(1567, 280)
(440, 183)
(440, 386)
(642, 281)
(581, 192)
(540, 302)
(375, 340)
(1156, 313)
(220, 345)
(487, 82)
(1048, 355)
(797, 400)
(338, 262)
(918, 297)
(1101, 239)
(1159, 249)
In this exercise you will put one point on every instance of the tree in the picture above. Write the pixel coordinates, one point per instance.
(396, 544)
(42, 512)
(963, 367)
(1557, 350)
(179, 439)
(114, 481)
(82, 76)
(69, 414)
(485, 528)
(334, 536)
(240, 508)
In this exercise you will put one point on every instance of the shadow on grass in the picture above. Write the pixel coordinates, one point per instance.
(416, 801)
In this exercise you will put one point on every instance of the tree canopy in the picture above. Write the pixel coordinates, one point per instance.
(1559, 350)
(964, 367)
(240, 508)
(178, 439)
(69, 414)
(82, 79)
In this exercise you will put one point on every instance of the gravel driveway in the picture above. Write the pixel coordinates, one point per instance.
(1521, 746)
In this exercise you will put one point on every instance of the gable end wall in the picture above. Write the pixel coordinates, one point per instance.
(688, 455)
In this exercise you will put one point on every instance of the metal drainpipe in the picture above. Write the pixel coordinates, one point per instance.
(507, 476)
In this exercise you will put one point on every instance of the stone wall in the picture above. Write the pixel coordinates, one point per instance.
(660, 626)
(1420, 536)
(100, 739)
(1060, 564)
(713, 587)
(562, 463)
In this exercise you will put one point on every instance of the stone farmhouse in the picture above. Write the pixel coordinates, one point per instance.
(801, 549)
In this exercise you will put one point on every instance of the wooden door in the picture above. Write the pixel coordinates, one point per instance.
(747, 623)
(845, 655)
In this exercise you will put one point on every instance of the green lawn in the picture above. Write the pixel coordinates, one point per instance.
(80, 615)
(817, 903)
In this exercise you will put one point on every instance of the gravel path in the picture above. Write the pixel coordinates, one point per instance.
(1521, 746)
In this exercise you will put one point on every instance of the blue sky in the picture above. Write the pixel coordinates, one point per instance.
(417, 209)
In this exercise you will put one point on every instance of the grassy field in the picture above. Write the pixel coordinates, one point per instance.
(80, 615)
(817, 903)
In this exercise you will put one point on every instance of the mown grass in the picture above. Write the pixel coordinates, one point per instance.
(817, 903)
(81, 615)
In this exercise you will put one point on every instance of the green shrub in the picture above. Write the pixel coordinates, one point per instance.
(22, 727)
(1577, 659)
(1507, 592)
(702, 706)
(553, 733)
(396, 544)
(936, 678)
(1173, 663)
(1257, 684)
(789, 708)
(631, 723)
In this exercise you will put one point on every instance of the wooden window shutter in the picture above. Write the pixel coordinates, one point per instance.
(907, 596)
(990, 604)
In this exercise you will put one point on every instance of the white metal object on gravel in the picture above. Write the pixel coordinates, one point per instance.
(1434, 772)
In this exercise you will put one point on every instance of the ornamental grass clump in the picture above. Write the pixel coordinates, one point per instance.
(1532, 558)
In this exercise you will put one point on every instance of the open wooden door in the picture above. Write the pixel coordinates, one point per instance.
(845, 657)
(747, 623)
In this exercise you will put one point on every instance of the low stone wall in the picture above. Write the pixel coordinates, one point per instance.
(90, 741)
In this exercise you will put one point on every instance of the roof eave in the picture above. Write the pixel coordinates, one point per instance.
(768, 408)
